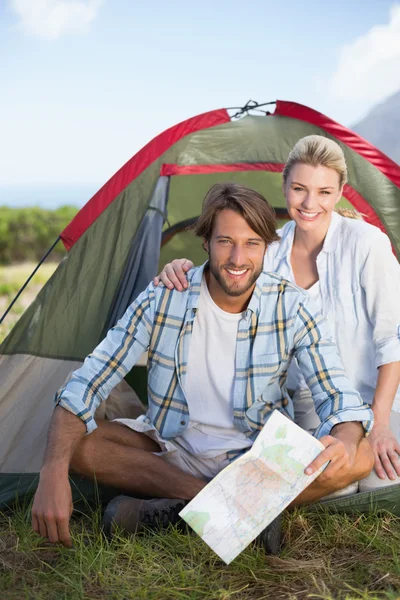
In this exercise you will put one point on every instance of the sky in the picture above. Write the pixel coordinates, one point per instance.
(86, 83)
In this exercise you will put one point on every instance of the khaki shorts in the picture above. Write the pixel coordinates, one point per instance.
(174, 454)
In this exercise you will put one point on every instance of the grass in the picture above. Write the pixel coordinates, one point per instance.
(326, 557)
(12, 279)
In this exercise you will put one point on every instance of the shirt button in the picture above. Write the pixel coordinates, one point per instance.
(183, 422)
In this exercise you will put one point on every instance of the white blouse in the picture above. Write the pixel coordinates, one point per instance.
(359, 279)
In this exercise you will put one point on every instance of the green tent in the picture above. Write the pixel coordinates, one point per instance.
(136, 222)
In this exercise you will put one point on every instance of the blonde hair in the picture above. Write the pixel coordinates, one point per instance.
(317, 150)
(350, 213)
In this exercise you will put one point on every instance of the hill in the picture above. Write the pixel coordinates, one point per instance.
(381, 126)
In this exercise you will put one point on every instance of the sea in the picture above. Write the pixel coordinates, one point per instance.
(47, 196)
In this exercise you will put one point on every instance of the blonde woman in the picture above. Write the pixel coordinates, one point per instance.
(349, 269)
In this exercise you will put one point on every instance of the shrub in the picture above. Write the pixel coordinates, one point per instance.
(27, 233)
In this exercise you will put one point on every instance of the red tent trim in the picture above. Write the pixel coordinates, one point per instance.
(221, 168)
(355, 199)
(134, 167)
(382, 162)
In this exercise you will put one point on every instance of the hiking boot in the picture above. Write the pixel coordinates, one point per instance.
(134, 515)
(270, 538)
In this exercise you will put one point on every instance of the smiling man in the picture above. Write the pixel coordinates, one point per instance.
(218, 355)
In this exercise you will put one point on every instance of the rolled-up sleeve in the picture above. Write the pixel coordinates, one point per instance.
(380, 279)
(113, 358)
(335, 400)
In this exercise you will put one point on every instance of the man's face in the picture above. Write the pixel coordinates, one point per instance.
(236, 253)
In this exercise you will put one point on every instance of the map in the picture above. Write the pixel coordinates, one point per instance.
(248, 494)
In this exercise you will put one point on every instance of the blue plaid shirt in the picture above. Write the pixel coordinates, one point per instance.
(278, 324)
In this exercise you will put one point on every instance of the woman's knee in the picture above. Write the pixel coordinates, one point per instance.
(373, 482)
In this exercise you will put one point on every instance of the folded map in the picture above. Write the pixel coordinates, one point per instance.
(248, 494)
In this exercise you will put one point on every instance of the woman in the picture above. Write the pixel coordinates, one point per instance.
(348, 267)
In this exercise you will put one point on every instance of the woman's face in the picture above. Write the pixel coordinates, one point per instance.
(311, 195)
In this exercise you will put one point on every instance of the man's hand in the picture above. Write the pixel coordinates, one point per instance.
(173, 274)
(52, 508)
(386, 451)
(338, 454)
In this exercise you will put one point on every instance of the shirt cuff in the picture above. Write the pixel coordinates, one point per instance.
(79, 411)
(388, 351)
(362, 414)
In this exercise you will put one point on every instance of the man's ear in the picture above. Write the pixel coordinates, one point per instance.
(205, 245)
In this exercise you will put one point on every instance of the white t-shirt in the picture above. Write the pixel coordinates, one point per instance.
(209, 381)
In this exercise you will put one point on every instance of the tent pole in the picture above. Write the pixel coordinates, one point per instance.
(29, 278)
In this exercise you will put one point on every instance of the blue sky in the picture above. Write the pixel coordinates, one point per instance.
(86, 83)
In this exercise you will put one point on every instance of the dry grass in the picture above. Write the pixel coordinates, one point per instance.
(323, 557)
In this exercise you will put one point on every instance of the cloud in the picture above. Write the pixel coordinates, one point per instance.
(50, 19)
(369, 68)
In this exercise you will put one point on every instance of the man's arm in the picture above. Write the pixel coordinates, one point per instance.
(345, 419)
(52, 506)
(353, 461)
(74, 414)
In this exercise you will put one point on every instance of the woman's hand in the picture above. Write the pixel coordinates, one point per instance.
(173, 274)
(386, 451)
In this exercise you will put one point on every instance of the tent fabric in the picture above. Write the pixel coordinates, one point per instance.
(115, 246)
(351, 139)
(28, 390)
(144, 254)
(135, 167)
(356, 200)
(27, 401)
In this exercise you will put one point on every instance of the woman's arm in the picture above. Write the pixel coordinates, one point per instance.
(383, 441)
(380, 280)
(173, 274)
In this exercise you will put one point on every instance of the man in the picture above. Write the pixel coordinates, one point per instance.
(218, 355)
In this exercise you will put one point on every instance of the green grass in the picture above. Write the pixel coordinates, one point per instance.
(323, 557)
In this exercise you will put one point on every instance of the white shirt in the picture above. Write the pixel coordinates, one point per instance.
(209, 381)
(359, 280)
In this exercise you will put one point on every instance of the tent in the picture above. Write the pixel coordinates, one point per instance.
(136, 222)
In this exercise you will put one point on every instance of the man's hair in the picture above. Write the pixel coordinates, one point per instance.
(248, 203)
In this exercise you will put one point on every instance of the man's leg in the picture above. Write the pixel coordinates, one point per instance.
(117, 456)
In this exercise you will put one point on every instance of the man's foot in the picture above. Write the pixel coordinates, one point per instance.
(134, 515)
(270, 538)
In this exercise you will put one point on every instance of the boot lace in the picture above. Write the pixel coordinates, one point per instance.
(157, 518)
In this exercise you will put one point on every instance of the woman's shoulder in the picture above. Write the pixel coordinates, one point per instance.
(358, 231)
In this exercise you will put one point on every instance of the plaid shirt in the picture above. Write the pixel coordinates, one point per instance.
(278, 324)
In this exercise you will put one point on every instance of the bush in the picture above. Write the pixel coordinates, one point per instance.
(27, 233)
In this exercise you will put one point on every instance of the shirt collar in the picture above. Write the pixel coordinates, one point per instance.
(195, 276)
(330, 243)
(332, 237)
